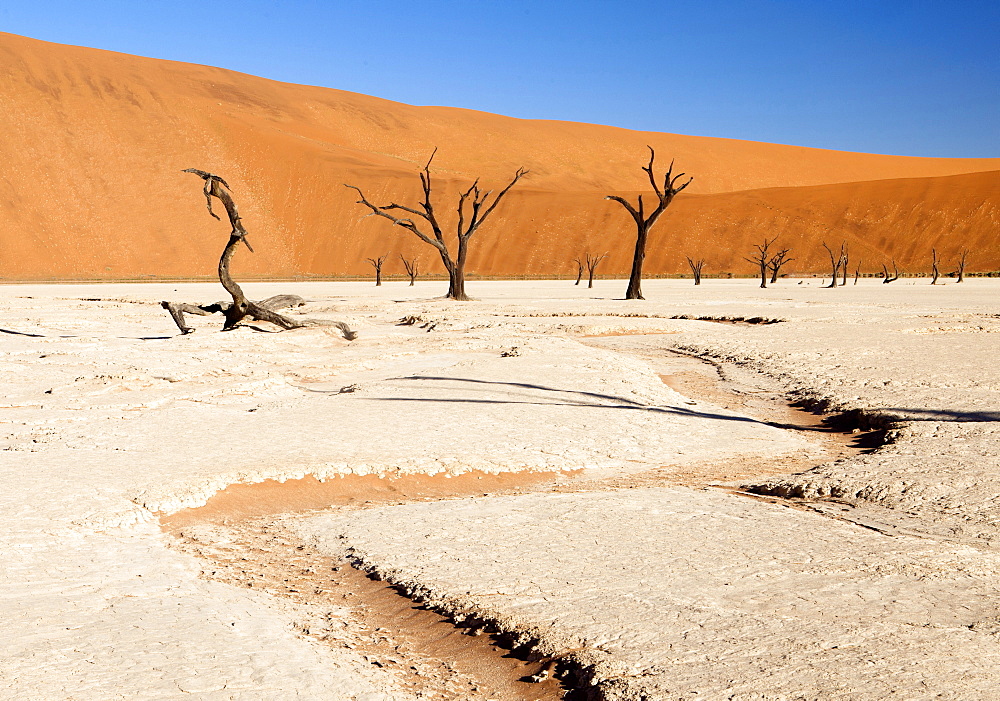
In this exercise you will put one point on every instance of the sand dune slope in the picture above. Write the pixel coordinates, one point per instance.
(95, 142)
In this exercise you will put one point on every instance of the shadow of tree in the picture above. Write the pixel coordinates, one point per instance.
(597, 401)
(946, 415)
(22, 333)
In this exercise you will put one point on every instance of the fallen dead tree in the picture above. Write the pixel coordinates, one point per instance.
(240, 308)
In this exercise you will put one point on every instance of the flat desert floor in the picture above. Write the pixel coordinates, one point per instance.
(617, 492)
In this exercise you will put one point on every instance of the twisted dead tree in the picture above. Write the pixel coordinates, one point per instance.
(857, 272)
(962, 258)
(936, 273)
(412, 266)
(377, 264)
(778, 260)
(761, 259)
(474, 207)
(696, 266)
(592, 263)
(240, 308)
(836, 262)
(643, 223)
(579, 270)
(886, 278)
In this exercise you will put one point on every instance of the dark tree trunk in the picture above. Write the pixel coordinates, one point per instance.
(456, 287)
(634, 290)
(934, 266)
(961, 265)
(377, 263)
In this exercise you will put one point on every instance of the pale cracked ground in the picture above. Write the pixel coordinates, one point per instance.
(659, 591)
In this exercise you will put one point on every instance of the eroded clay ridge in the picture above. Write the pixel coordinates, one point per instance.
(102, 137)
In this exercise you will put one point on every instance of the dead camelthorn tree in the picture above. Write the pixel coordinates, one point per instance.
(643, 222)
(761, 259)
(836, 262)
(474, 207)
(412, 267)
(579, 270)
(592, 263)
(963, 256)
(377, 264)
(777, 261)
(886, 278)
(857, 273)
(696, 266)
(935, 272)
(241, 308)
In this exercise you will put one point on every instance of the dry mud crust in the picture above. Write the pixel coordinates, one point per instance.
(923, 376)
(936, 478)
(657, 593)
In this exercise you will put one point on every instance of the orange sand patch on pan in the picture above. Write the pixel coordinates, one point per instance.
(270, 497)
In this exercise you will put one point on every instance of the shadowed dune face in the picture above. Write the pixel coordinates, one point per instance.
(95, 142)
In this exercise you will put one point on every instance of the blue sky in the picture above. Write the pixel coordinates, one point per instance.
(909, 77)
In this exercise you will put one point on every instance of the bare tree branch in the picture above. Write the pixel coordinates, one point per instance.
(473, 209)
(696, 266)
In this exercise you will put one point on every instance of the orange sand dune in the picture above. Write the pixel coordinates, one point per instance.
(95, 142)
(880, 220)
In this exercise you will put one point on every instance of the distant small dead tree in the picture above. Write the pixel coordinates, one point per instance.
(592, 262)
(762, 258)
(935, 272)
(776, 262)
(857, 272)
(962, 258)
(412, 266)
(886, 278)
(240, 308)
(696, 266)
(643, 223)
(377, 264)
(579, 270)
(837, 261)
(474, 207)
